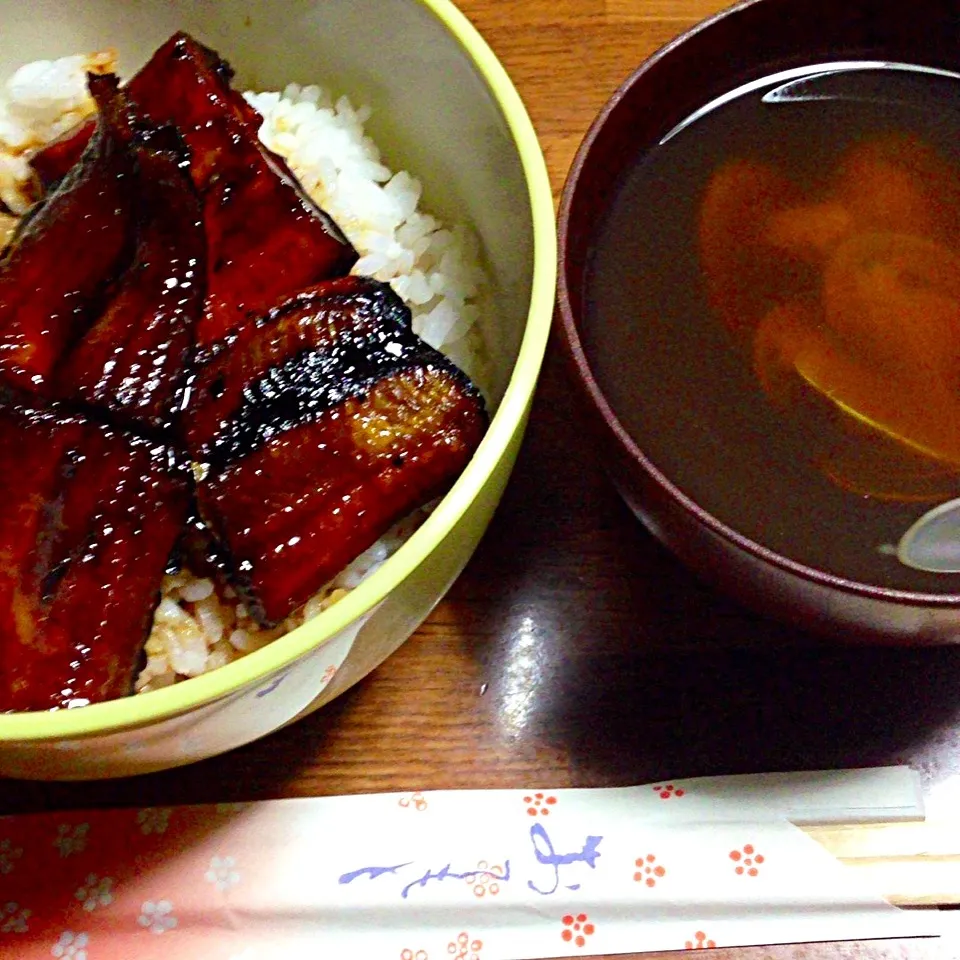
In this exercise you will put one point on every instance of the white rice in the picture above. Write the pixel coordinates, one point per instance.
(199, 625)
(39, 102)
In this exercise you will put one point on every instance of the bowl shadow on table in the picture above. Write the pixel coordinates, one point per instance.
(644, 672)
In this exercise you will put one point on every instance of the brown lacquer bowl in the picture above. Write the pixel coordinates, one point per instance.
(773, 546)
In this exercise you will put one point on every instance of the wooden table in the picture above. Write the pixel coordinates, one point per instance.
(574, 651)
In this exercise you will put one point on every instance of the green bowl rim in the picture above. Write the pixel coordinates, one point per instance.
(138, 711)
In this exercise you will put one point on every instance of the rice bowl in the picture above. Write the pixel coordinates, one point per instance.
(452, 116)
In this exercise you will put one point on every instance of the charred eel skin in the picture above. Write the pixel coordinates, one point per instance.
(319, 429)
(88, 518)
(314, 350)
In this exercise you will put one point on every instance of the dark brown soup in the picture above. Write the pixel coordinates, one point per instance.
(773, 311)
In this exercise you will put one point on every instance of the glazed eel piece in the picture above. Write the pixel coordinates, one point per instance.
(182, 77)
(66, 252)
(133, 361)
(295, 244)
(88, 519)
(318, 428)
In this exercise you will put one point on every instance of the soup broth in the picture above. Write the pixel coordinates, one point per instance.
(773, 311)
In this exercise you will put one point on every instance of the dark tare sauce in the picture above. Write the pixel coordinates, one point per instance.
(682, 384)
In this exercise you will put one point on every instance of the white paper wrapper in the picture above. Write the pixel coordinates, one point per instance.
(477, 875)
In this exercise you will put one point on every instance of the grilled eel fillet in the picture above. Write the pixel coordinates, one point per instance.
(120, 335)
(318, 429)
(66, 252)
(133, 360)
(89, 514)
(88, 519)
(243, 185)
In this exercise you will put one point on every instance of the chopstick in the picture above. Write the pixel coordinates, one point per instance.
(915, 864)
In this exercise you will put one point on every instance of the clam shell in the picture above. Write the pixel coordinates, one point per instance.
(933, 542)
